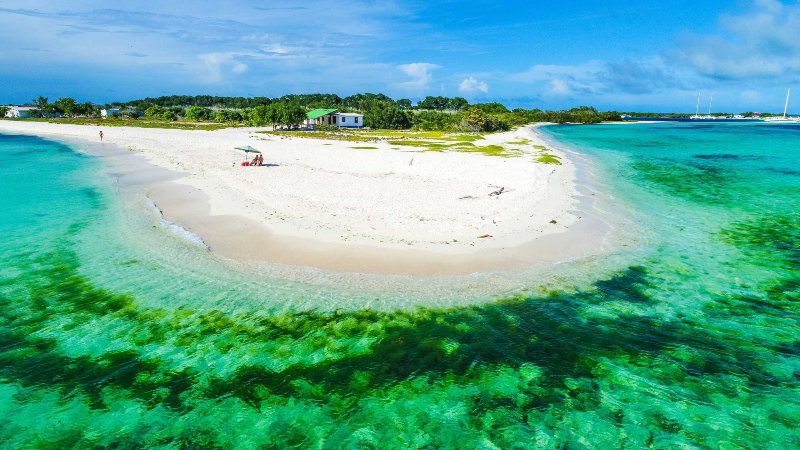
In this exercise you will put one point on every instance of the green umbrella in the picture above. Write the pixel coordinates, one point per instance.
(247, 149)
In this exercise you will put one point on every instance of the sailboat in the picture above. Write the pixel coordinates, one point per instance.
(710, 99)
(697, 115)
(783, 118)
(697, 108)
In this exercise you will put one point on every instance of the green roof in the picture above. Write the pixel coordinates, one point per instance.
(317, 113)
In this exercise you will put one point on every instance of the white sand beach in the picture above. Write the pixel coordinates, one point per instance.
(322, 203)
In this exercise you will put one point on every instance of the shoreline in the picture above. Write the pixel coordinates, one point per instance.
(191, 197)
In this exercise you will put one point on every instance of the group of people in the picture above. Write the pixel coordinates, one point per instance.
(257, 161)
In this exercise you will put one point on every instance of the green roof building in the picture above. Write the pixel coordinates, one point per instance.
(332, 117)
(317, 113)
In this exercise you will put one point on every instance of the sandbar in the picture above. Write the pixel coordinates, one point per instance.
(389, 209)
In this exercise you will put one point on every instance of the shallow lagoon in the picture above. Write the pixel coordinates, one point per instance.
(693, 341)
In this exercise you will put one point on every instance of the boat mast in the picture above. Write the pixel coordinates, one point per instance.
(697, 108)
(709, 104)
(786, 105)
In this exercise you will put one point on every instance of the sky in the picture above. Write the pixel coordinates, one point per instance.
(615, 55)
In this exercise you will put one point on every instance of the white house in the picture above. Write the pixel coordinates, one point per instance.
(20, 112)
(349, 120)
(331, 117)
(109, 112)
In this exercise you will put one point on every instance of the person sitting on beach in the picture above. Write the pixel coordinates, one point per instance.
(260, 160)
(254, 162)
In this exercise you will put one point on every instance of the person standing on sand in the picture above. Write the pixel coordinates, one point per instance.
(101, 135)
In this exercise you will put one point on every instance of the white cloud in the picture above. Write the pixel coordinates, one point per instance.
(762, 43)
(219, 65)
(472, 86)
(420, 73)
(547, 72)
(564, 80)
(559, 86)
(752, 97)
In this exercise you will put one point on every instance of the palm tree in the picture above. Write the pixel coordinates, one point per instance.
(43, 105)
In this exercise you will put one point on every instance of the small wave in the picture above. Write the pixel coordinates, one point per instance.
(177, 229)
(184, 233)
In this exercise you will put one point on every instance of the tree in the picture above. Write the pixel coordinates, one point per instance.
(457, 103)
(474, 118)
(262, 115)
(66, 106)
(273, 114)
(177, 111)
(293, 115)
(87, 109)
(130, 114)
(3, 110)
(385, 115)
(492, 108)
(436, 103)
(584, 114)
(404, 104)
(227, 116)
(434, 121)
(358, 101)
(197, 113)
(154, 112)
(43, 106)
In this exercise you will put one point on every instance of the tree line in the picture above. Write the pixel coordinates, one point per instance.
(66, 106)
(311, 101)
(380, 111)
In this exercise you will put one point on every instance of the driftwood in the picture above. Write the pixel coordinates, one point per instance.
(484, 236)
(497, 192)
(467, 197)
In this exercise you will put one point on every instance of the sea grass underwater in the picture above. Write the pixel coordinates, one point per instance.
(695, 343)
(519, 370)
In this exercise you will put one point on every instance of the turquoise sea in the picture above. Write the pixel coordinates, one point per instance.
(692, 342)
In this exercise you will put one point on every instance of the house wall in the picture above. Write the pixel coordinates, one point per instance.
(17, 113)
(349, 121)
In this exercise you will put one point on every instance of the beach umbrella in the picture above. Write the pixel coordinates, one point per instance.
(247, 150)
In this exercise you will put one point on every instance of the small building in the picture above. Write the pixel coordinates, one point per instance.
(20, 112)
(333, 118)
(109, 112)
(349, 120)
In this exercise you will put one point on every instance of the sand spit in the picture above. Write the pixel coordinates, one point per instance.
(385, 209)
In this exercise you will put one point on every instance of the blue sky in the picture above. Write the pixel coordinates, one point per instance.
(615, 54)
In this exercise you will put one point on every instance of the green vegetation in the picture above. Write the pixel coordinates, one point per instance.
(125, 122)
(491, 150)
(198, 114)
(433, 113)
(500, 373)
(546, 158)
(284, 113)
(443, 103)
(524, 141)
(430, 141)
(339, 135)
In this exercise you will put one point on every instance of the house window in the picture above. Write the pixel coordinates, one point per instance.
(356, 119)
(344, 119)
(333, 119)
